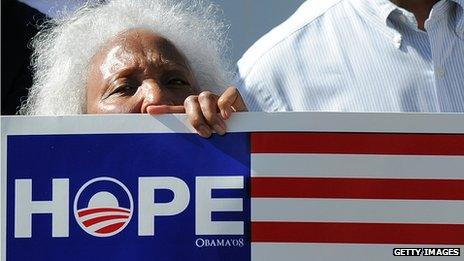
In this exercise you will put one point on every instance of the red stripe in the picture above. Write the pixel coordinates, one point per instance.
(357, 188)
(357, 233)
(96, 220)
(358, 143)
(98, 210)
(110, 228)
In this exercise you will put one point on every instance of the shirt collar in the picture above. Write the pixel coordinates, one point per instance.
(452, 9)
(379, 13)
(375, 9)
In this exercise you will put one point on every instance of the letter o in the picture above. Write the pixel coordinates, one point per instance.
(200, 240)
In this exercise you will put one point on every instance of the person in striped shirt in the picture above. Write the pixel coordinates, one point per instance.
(349, 56)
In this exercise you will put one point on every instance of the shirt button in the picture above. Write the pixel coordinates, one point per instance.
(440, 72)
(397, 40)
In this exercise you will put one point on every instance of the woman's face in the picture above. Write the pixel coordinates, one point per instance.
(135, 71)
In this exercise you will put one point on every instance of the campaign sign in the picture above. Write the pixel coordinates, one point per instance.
(284, 186)
(162, 196)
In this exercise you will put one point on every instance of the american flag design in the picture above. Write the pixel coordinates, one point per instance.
(354, 196)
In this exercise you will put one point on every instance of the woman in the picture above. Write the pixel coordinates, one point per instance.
(128, 56)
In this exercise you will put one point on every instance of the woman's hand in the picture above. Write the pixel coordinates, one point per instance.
(208, 111)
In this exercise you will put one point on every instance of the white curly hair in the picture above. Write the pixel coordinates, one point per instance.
(65, 46)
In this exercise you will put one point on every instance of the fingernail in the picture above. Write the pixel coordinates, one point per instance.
(219, 129)
(204, 131)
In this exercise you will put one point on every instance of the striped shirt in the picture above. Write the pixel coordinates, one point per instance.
(358, 56)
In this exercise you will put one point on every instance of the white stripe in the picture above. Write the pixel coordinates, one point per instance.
(354, 210)
(336, 252)
(103, 224)
(370, 166)
(240, 122)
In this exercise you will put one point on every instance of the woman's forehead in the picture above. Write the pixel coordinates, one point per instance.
(137, 48)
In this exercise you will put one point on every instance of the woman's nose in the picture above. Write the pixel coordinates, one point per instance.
(153, 94)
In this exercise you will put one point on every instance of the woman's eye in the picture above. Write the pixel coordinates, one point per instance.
(124, 89)
(177, 81)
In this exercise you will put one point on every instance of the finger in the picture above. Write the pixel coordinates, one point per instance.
(231, 101)
(164, 109)
(208, 105)
(195, 116)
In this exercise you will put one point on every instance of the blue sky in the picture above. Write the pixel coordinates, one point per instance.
(50, 7)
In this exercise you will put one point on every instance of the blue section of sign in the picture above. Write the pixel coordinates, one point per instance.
(81, 158)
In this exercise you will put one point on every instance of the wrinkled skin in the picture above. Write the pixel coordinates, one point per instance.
(139, 72)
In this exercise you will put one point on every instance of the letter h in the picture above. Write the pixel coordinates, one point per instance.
(25, 207)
